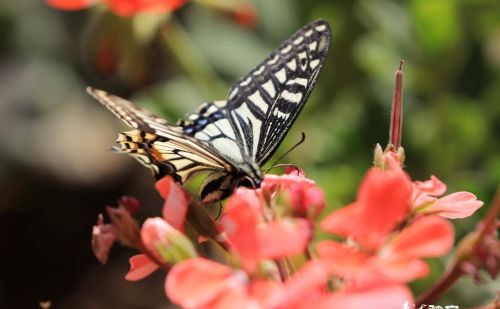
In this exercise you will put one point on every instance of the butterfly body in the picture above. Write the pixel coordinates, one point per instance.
(231, 139)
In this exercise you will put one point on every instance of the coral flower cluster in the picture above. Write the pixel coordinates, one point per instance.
(264, 251)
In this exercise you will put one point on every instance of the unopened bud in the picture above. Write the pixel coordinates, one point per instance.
(165, 242)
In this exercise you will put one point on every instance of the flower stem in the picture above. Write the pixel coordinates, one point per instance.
(282, 270)
(441, 286)
(396, 129)
(308, 253)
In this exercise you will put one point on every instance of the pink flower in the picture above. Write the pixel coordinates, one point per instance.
(164, 246)
(252, 239)
(456, 205)
(382, 252)
(201, 283)
(103, 238)
(123, 228)
(424, 199)
(305, 199)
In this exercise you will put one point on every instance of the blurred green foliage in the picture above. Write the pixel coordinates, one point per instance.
(172, 63)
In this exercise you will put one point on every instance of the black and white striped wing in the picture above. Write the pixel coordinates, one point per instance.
(160, 146)
(262, 105)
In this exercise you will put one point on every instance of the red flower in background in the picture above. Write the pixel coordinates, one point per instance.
(121, 7)
(71, 5)
(131, 7)
(244, 13)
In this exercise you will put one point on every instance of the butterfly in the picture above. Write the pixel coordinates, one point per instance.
(230, 140)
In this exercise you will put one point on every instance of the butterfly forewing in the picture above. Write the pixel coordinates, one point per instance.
(262, 105)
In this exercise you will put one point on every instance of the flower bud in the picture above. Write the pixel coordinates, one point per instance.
(165, 242)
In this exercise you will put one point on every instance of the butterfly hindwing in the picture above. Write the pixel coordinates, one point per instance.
(210, 124)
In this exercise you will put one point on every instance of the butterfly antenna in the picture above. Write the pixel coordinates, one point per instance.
(275, 164)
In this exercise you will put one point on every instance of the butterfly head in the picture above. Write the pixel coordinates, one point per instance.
(252, 176)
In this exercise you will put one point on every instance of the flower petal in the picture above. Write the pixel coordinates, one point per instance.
(401, 271)
(176, 202)
(426, 237)
(382, 202)
(197, 282)
(264, 290)
(389, 296)
(240, 220)
(433, 186)
(237, 297)
(456, 205)
(306, 201)
(340, 221)
(384, 198)
(103, 238)
(342, 260)
(274, 238)
(140, 267)
(302, 288)
(255, 295)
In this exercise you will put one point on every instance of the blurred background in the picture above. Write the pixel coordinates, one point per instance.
(57, 173)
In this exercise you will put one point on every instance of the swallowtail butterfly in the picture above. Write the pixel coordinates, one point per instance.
(231, 139)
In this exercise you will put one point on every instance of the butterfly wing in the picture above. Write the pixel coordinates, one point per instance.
(160, 146)
(262, 105)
